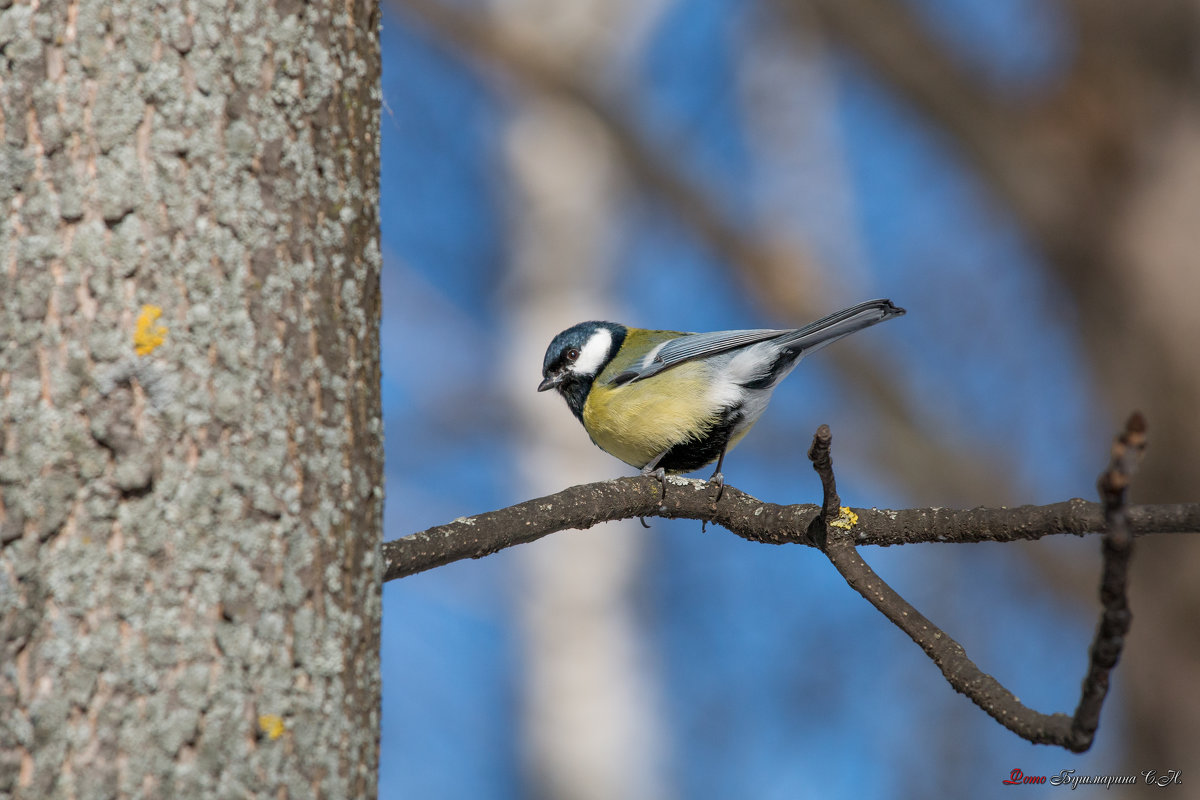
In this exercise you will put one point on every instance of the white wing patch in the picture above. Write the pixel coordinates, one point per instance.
(593, 354)
(744, 366)
(753, 362)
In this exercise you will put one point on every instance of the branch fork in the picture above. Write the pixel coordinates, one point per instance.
(1075, 733)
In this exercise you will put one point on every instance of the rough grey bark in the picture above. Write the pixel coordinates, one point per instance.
(190, 571)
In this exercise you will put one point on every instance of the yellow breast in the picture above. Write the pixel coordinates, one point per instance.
(637, 421)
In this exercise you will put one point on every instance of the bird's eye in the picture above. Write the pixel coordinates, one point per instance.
(572, 354)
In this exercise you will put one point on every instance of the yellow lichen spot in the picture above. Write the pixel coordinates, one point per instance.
(846, 520)
(148, 336)
(272, 725)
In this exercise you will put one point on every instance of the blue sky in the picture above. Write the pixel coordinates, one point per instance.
(778, 680)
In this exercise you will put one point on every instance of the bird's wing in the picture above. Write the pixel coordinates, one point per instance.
(692, 346)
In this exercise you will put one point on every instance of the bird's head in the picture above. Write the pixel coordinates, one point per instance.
(576, 356)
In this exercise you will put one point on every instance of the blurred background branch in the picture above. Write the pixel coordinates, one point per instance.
(779, 274)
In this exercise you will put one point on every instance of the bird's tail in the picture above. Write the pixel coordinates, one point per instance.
(842, 323)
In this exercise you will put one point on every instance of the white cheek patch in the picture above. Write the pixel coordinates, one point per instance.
(593, 354)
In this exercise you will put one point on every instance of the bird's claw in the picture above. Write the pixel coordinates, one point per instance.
(719, 480)
(659, 475)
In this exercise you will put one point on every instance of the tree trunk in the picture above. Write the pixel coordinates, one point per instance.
(190, 511)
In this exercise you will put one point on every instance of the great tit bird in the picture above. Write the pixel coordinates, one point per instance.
(668, 401)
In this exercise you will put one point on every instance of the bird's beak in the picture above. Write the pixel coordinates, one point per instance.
(552, 381)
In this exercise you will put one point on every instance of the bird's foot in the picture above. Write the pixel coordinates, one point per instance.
(659, 475)
(717, 480)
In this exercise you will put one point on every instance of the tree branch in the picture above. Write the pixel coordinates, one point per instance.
(838, 532)
(832, 531)
(581, 507)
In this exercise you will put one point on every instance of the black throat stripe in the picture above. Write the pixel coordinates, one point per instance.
(695, 454)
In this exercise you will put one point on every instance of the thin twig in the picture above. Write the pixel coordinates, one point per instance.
(1115, 619)
(822, 461)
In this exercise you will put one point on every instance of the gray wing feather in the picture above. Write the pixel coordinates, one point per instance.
(696, 345)
(703, 345)
(811, 337)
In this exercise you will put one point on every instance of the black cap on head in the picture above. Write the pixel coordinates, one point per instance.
(576, 356)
